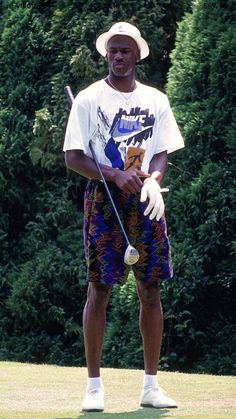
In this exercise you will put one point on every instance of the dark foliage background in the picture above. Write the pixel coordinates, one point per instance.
(45, 45)
(201, 85)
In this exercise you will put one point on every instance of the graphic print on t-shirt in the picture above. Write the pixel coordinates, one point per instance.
(125, 140)
(134, 158)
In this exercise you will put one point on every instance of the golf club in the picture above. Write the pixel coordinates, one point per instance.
(131, 255)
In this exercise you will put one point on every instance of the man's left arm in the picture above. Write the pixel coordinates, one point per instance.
(158, 166)
(151, 190)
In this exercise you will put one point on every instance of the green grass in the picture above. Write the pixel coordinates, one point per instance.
(50, 392)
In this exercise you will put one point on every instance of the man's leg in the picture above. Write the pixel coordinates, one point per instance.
(151, 324)
(151, 328)
(94, 319)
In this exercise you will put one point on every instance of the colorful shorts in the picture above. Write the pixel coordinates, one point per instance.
(105, 244)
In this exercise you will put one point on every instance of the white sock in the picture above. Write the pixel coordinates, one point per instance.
(149, 381)
(94, 383)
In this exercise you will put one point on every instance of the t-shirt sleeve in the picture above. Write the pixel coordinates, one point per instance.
(168, 134)
(77, 130)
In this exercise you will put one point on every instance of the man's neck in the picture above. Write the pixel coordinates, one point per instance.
(123, 84)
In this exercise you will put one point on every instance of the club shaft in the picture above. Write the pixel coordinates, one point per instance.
(70, 99)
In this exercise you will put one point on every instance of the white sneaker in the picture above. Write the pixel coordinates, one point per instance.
(155, 397)
(93, 400)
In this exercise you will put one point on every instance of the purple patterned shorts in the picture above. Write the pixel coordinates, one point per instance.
(105, 244)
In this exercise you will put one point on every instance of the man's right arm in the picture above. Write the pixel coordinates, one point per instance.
(77, 161)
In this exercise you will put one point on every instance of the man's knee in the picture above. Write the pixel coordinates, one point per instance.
(149, 294)
(98, 295)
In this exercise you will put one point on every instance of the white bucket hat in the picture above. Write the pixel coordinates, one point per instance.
(122, 28)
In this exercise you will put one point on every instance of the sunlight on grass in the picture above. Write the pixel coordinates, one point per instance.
(50, 392)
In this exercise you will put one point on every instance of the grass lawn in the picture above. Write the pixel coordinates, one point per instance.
(30, 391)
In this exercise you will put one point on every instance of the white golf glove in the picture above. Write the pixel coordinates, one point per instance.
(151, 190)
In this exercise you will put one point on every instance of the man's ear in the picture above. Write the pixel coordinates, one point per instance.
(138, 56)
(106, 57)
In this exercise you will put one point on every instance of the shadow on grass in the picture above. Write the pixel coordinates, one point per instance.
(140, 413)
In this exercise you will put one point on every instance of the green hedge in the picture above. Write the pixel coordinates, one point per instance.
(45, 45)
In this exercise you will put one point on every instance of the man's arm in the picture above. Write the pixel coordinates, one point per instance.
(127, 181)
(151, 190)
(159, 164)
(77, 161)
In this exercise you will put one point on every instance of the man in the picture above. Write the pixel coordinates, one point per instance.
(131, 128)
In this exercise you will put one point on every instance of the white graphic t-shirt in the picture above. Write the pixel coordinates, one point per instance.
(125, 129)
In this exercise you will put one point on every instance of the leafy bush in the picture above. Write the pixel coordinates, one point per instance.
(43, 47)
(123, 345)
(201, 207)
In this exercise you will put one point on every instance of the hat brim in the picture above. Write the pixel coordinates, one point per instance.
(102, 40)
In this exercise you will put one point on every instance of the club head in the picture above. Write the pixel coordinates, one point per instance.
(131, 255)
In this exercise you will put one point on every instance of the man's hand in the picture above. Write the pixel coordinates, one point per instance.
(151, 190)
(130, 181)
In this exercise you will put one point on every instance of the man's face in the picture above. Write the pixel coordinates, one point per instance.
(122, 55)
